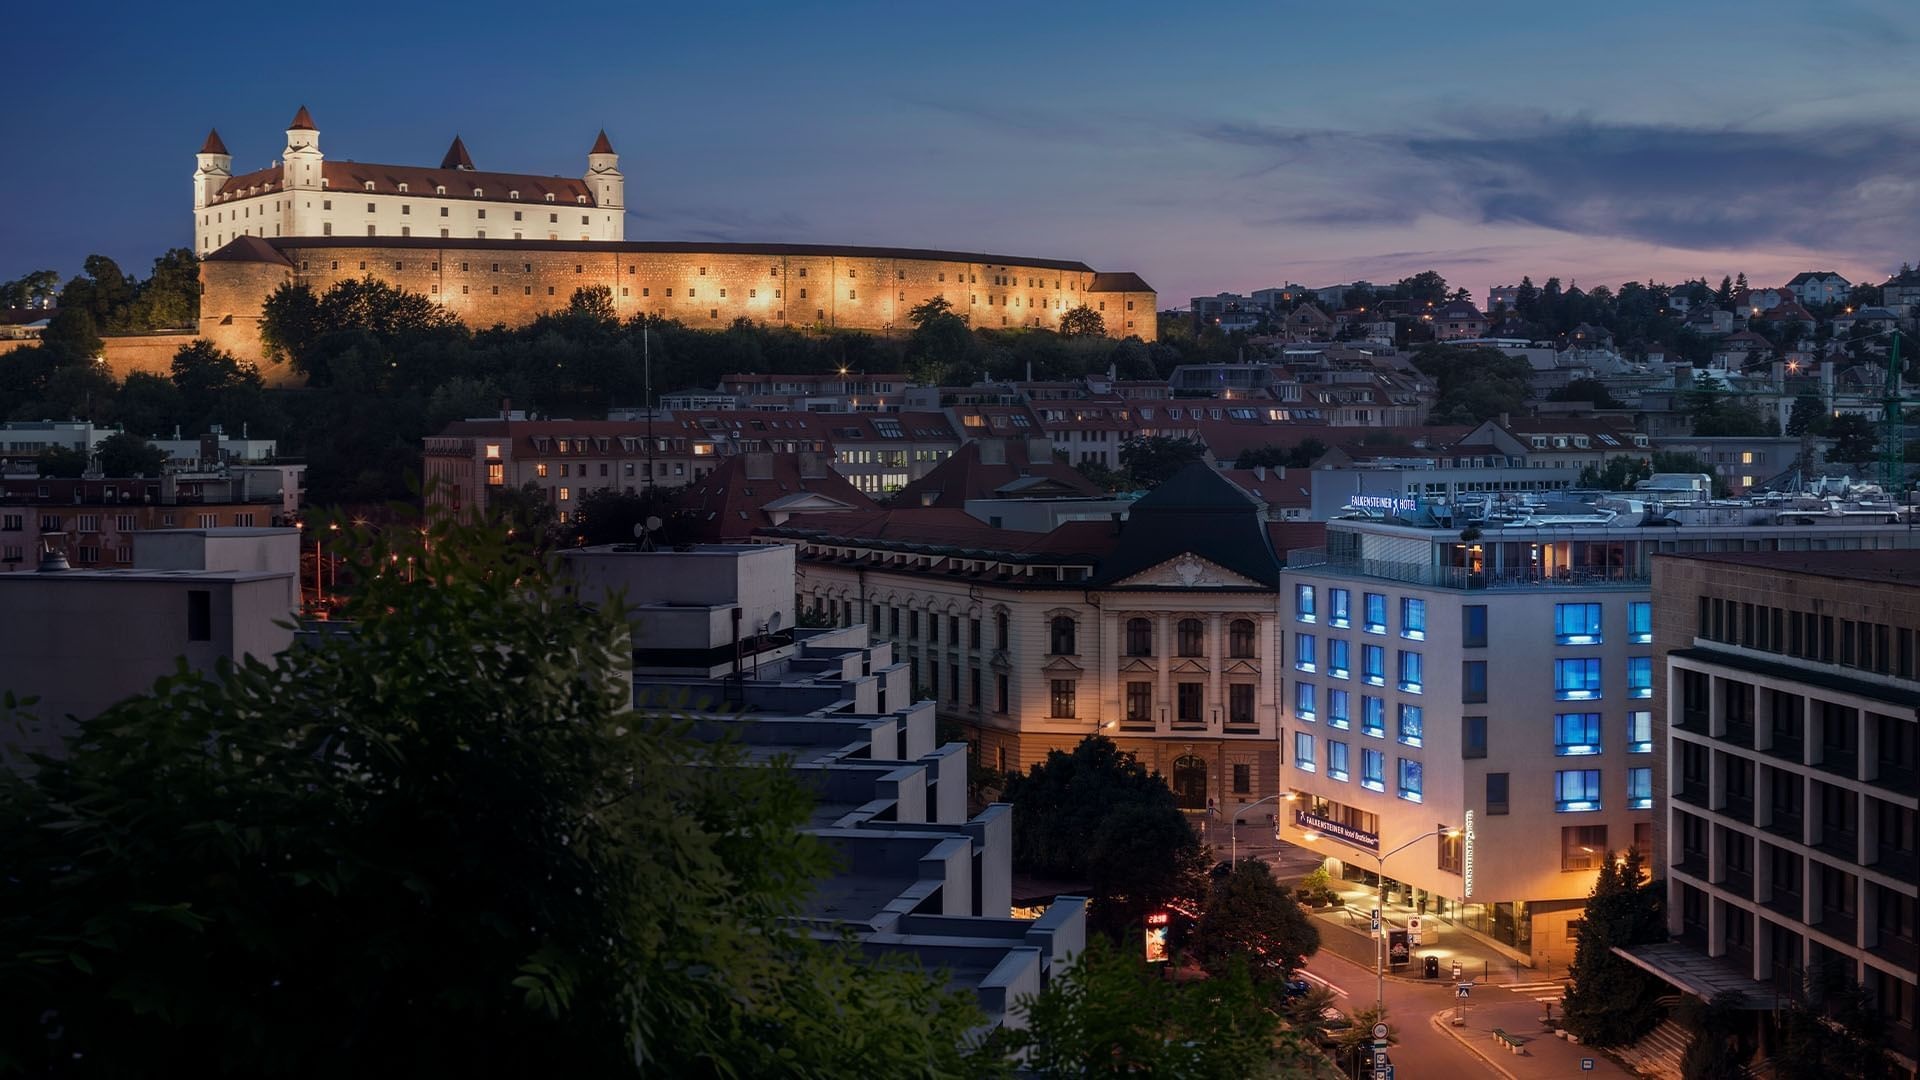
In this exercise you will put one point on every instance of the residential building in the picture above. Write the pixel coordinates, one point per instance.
(1556, 442)
(1813, 287)
(1489, 666)
(751, 491)
(1901, 292)
(92, 521)
(1456, 320)
(1785, 715)
(1743, 463)
(1502, 297)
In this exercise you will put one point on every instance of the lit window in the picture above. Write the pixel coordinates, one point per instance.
(1338, 651)
(566, 494)
(1337, 709)
(1373, 665)
(1376, 614)
(1576, 790)
(1411, 781)
(1640, 732)
(1412, 724)
(1640, 622)
(1373, 770)
(1576, 624)
(1338, 601)
(1336, 760)
(1303, 603)
(1373, 716)
(1063, 698)
(1413, 618)
(1576, 680)
(1411, 671)
(1576, 734)
(1303, 751)
(1303, 697)
(1640, 789)
(1303, 652)
(1640, 676)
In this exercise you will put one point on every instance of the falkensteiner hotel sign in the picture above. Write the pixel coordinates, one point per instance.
(1339, 831)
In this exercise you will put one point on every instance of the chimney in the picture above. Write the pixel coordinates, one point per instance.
(53, 560)
(1259, 472)
(1505, 419)
(1115, 518)
(506, 408)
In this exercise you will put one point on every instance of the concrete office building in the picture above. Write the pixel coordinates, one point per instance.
(1492, 669)
(1789, 688)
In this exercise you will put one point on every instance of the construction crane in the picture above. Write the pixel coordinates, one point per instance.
(1892, 449)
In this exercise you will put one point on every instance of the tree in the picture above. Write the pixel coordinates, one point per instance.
(1832, 1029)
(1113, 1016)
(1854, 440)
(35, 290)
(215, 388)
(1108, 479)
(606, 516)
(1082, 321)
(1610, 1002)
(126, 454)
(1619, 473)
(1809, 416)
(73, 334)
(593, 303)
(1301, 455)
(1150, 459)
(1592, 390)
(63, 463)
(1097, 815)
(443, 842)
(1713, 1052)
(940, 341)
(1717, 413)
(1476, 383)
(1249, 917)
(170, 298)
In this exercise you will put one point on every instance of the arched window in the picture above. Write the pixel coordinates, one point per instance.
(1240, 639)
(1190, 782)
(1063, 635)
(1139, 637)
(1193, 637)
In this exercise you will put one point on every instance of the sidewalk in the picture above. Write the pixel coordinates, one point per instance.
(1542, 1053)
(1346, 931)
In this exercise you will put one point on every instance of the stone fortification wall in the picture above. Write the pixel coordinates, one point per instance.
(489, 282)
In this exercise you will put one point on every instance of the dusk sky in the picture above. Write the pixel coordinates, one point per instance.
(1223, 147)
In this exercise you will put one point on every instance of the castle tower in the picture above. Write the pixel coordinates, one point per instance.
(457, 157)
(214, 168)
(301, 160)
(608, 187)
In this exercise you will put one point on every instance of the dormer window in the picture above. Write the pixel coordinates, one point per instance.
(403, 189)
(549, 196)
(478, 193)
(324, 184)
(440, 189)
(513, 195)
(581, 199)
(368, 185)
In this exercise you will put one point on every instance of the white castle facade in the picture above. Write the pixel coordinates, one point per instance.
(307, 195)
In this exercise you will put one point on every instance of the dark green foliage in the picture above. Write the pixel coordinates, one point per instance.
(439, 845)
(1610, 1002)
(1300, 455)
(1114, 1016)
(1250, 918)
(59, 461)
(1832, 1030)
(1108, 479)
(1592, 390)
(1716, 412)
(1150, 459)
(1098, 816)
(607, 516)
(1809, 416)
(116, 302)
(126, 454)
(1855, 440)
(74, 335)
(216, 389)
(1476, 383)
(1714, 1051)
(1082, 321)
(1618, 474)
(36, 289)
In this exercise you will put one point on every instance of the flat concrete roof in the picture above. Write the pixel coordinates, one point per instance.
(1899, 567)
(145, 575)
(1706, 977)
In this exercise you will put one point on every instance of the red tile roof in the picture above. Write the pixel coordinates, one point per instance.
(213, 145)
(457, 156)
(944, 527)
(302, 121)
(601, 145)
(730, 502)
(349, 177)
(964, 476)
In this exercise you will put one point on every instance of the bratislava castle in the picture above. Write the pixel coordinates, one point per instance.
(307, 195)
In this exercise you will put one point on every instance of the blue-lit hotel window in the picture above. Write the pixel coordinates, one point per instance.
(1410, 780)
(1303, 606)
(1411, 672)
(1640, 622)
(1576, 734)
(1576, 680)
(1303, 700)
(1303, 751)
(1576, 790)
(1373, 716)
(1304, 649)
(1373, 770)
(1576, 624)
(1338, 603)
(1639, 676)
(1413, 618)
(1337, 709)
(1339, 650)
(1640, 732)
(1336, 760)
(1373, 665)
(1376, 613)
(1412, 724)
(1639, 789)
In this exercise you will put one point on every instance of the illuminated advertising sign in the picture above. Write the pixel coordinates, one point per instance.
(1157, 924)
(1344, 833)
(1382, 502)
(1467, 859)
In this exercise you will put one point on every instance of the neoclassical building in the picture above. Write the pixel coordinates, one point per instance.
(1161, 632)
(307, 195)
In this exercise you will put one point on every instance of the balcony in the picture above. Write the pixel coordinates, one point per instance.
(1898, 775)
(1693, 719)
(1738, 807)
(1737, 882)
(1455, 577)
(1693, 791)
(1739, 733)
(1901, 950)
(1837, 921)
(1787, 746)
(1898, 862)
(1787, 823)
(1788, 902)
(1840, 761)
(1693, 863)
(1842, 842)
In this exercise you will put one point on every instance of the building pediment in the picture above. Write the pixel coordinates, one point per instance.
(1242, 667)
(1188, 571)
(1061, 664)
(1137, 663)
(1188, 666)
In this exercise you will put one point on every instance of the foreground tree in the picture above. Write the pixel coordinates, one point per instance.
(442, 842)
(1114, 1016)
(1098, 816)
(1149, 459)
(1833, 1030)
(1619, 474)
(1082, 321)
(1250, 918)
(1609, 1002)
(126, 454)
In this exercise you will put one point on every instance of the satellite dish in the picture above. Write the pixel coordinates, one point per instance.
(639, 531)
(773, 622)
(653, 524)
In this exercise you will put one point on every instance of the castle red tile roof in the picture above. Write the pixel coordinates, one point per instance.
(601, 145)
(1121, 281)
(352, 177)
(213, 145)
(457, 157)
(302, 121)
(248, 249)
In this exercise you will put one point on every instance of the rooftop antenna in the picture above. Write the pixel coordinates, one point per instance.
(646, 361)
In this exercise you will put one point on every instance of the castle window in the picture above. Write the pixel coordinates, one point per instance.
(553, 219)
(436, 290)
(371, 208)
(463, 290)
(713, 313)
(751, 293)
(336, 264)
(478, 193)
(723, 294)
(581, 199)
(903, 295)
(443, 234)
(513, 194)
(326, 204)
(646, 292)
(403, 191)
(625, 291)
(773, 271)
(703, 271)
(482, 214)
(583, 219)
(398, 266)
(440, 189)
(496, 290)
(406, 208)
(516, 215)
(903, 275)
(577, 268)
(852, 295)
(853, 273)
(443, 213)
(496, 268)
(689, 294)
(463, 268)
(528, 267)
(549, 196)
(669, 292)
(776, 294)
(325, 184)
(943, 275)
(435, 267)
(326, 228)
(803, 294)
(369, 185)
(529, 290)
(305, 266)
(549, 290)
(803, 271)
(629, 268)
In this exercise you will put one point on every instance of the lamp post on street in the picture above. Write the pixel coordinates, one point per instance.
(1380, 933)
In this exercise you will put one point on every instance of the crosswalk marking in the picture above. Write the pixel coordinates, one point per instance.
(1518, 988)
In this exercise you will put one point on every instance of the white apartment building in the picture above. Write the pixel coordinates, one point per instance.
(1495, 677)
(306, 195)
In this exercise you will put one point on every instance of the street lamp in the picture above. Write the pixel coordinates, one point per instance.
(1380, 940)
(1233, 827)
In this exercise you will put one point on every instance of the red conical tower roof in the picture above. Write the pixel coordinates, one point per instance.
(213, 145)
(302, 121)
(457, 156)
(601, 145)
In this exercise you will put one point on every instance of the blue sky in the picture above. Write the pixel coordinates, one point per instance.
(1224, 147)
